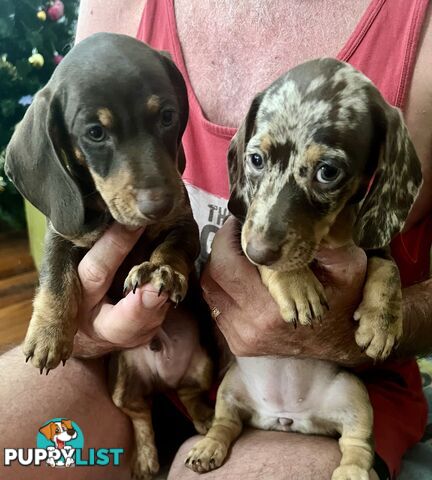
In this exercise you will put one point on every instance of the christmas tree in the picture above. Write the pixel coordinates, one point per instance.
(34, 37)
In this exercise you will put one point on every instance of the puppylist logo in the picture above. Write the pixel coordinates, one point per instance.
(60, 444)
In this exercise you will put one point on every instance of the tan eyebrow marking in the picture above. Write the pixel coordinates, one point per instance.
(266, 143)
(105, 117)
(153, 103)
(313, 153)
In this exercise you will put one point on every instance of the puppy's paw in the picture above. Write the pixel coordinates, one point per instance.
(47, 344)
(300, 296)
(380, 328)
(163, 278)
(206, 455)
(350, 472)
(145, 464)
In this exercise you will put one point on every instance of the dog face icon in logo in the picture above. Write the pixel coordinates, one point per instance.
(58, 433)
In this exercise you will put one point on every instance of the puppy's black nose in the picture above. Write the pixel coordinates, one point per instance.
(155, 203)
(261, 252)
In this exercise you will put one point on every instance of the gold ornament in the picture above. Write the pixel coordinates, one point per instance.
(41, 15)
(36, 60)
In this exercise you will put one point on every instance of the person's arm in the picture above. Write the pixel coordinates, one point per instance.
(104, 327)
(116, 16)
(417, 308)
(418, 116)
(250, 321)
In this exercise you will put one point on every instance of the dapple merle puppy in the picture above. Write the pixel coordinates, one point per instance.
(320, 160)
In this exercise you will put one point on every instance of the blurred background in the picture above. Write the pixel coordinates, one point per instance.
(34, 37)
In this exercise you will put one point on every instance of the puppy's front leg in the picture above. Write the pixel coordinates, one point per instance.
(380, 312)
(132, 397)
(298, 293)
(170, 264)
(196, 382)
(50, 334)
(352, 415)
(210, 452)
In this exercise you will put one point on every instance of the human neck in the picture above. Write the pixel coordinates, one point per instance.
(235, 49)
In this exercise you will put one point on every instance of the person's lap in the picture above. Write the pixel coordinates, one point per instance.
(79, 392)
(272, 455)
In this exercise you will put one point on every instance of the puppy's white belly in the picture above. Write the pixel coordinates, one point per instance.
(289, 394)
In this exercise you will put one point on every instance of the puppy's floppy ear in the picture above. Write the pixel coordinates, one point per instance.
(36, 163)
(181, 159)
(394, 186)
(238, 201)
(48, 431)
(179, 85)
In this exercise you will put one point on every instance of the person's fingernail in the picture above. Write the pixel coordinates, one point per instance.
(151, 299)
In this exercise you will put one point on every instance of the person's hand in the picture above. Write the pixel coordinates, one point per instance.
(133, 320)
(250, 320)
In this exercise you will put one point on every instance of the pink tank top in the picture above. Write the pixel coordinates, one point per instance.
(383, 46)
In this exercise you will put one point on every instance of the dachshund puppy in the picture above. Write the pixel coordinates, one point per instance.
(320, 160)
(102, 143)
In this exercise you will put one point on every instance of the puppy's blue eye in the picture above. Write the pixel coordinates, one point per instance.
(257, 161)
(327, 173)
(167, 117)
(96, 133)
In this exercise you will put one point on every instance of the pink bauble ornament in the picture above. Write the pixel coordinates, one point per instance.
(57, 58)
(56, 10)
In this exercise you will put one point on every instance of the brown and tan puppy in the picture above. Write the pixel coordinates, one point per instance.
(320, 160)
(102, 143)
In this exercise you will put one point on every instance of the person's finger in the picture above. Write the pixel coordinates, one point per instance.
(341, 267)
(337, 256)
(239, 332)
(214, 295)
(229, 267)
(133, 319)
(98, 267)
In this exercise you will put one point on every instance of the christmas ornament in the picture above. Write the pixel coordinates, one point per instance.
(57, 58)
(25, 100)
(41, 15)
(36, 60)
(56, 10)
(7, 70)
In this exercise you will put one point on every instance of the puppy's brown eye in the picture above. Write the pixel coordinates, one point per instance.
(167, 117)
(96, 133)
(256, 161)
(327, 173)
